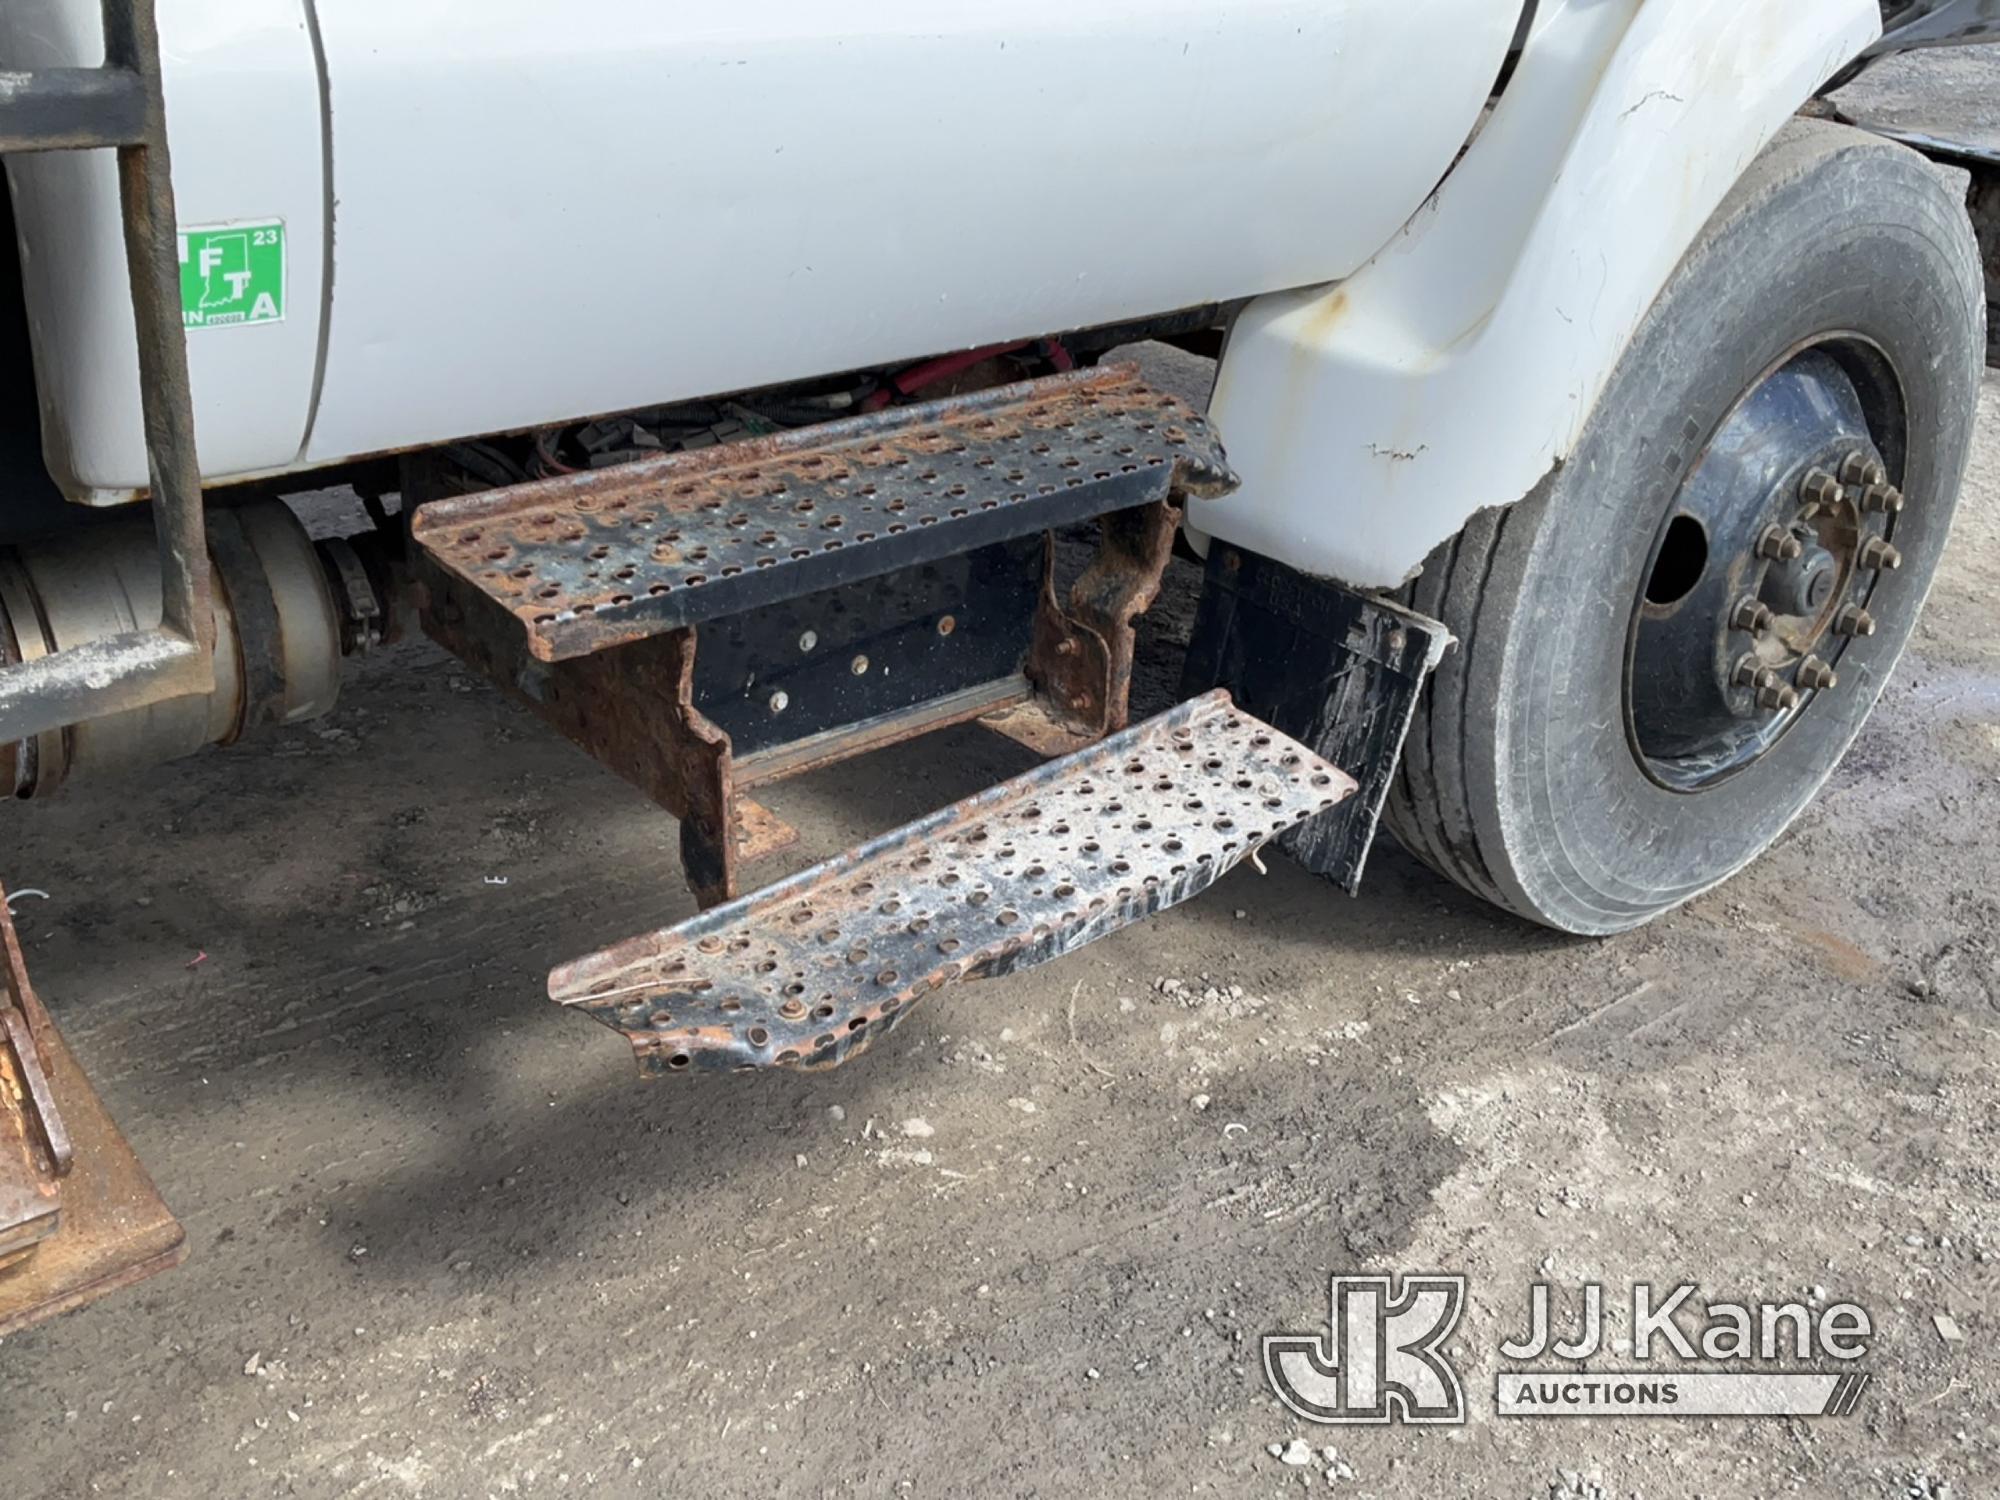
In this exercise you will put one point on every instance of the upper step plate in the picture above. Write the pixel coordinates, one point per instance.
(589, 561)
(808, 971)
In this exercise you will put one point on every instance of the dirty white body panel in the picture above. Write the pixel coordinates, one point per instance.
(1371, 420)
(543, 212)
(633, 202)
(244, 98)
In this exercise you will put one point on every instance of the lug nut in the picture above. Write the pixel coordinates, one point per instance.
(1882, 499)
(1777, 695)
(1853, 620)
(1876, 553)
(1859, 468)
(1819, 488)
(1750, 671)
(1750, 614)
(1779, 544)
(1816, 674)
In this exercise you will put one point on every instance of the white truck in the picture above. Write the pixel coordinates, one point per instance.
(1591, 405)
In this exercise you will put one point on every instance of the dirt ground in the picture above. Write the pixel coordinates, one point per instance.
(444, 1243)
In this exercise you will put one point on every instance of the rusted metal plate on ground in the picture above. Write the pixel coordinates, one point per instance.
(809, 971)
(589, 561)
(35, 1150)
(30, 1189)
(115, 1228)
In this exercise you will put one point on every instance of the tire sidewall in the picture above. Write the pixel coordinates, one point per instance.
(1858, 241)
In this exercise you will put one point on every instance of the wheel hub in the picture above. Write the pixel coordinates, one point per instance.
(1802, 586)
(1761, 575)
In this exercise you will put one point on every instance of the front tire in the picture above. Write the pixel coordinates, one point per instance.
(1616, 731)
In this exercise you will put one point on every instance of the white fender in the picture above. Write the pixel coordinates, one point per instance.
(1371, 419)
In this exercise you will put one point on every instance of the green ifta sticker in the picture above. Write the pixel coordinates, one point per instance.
(233, 274)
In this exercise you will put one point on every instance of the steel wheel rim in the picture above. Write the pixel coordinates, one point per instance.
(1761, 573)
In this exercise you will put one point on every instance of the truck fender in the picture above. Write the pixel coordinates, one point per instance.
(1370, 419)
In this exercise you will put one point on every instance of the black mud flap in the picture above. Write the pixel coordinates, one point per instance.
(1337, 670)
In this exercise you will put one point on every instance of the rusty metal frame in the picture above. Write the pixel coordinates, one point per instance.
(1081, 659)
(571, 593)
(121, 106)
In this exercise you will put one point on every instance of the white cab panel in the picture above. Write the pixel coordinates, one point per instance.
(546, 211)
(1370, 421)
(244, 116)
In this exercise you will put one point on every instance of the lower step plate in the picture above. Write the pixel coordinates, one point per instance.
(808, 972)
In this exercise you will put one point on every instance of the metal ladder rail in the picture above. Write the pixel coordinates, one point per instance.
(121, 107)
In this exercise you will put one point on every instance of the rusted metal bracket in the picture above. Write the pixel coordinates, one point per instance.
(1081, 660)
(809, 971)
(632, 708)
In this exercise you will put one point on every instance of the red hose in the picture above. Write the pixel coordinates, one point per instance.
(914, 379)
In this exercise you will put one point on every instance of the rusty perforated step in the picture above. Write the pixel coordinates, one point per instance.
(588, 561)
(808, 972)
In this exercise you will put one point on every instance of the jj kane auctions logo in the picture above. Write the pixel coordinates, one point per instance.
(1382, 1358)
